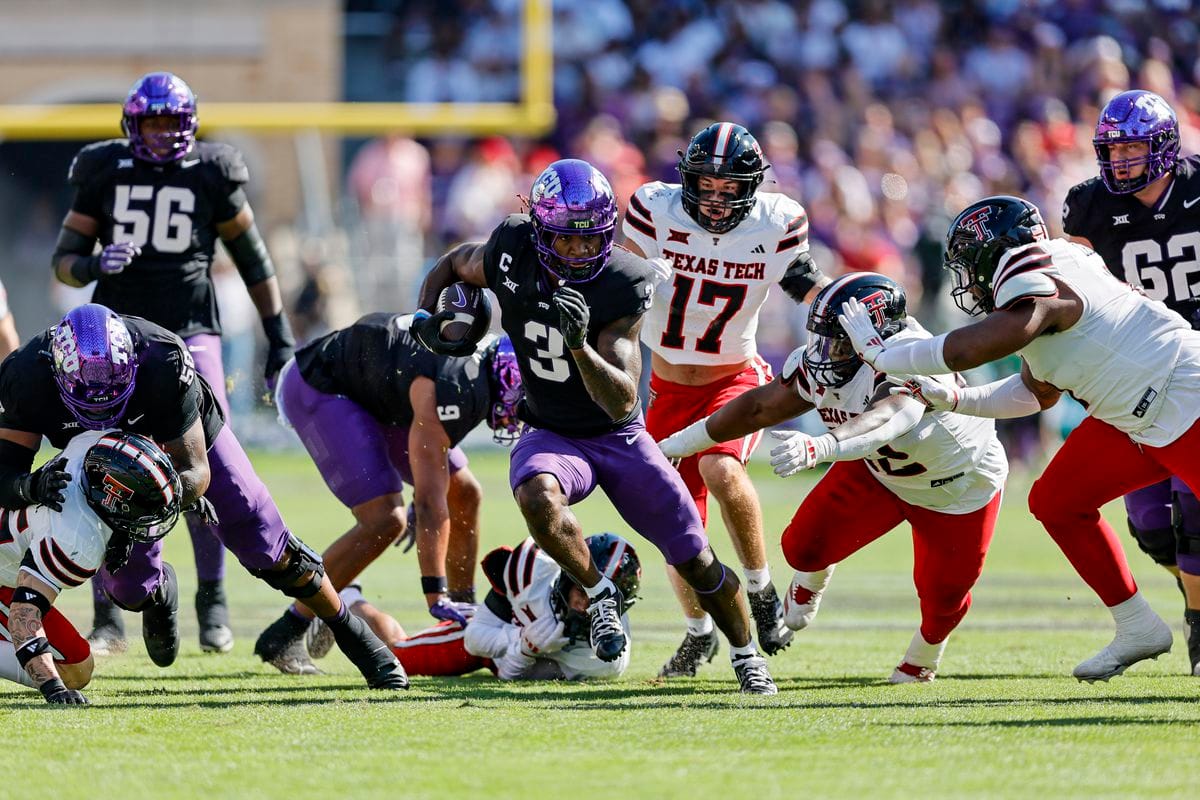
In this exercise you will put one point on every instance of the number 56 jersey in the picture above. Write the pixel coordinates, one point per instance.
(170, 212)
(65, 548)
(708, 312)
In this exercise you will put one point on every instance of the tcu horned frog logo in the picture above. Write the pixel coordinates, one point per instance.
(115, 493)
(975, 222)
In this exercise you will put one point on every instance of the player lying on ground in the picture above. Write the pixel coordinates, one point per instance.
(375, 411)
(118, 487)
(1131, 362)
(941, 472)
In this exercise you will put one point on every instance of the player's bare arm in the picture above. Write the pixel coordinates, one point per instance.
(190, 457)
(1047, 394)
(25, 625)
(1007, 331)
(463, 262)
(428, 445)
(610, 371)
(762, 407)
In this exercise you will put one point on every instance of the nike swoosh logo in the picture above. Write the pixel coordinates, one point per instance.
(133, 420)
(1190, 203)
(192, 163)
(631, 439)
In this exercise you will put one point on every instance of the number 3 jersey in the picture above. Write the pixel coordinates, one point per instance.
(65, 548)
(169, 211)
(555, 396)
(1155, 248)
(708, 312)
(949, 463)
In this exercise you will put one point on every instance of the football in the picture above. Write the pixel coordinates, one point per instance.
(472, 312)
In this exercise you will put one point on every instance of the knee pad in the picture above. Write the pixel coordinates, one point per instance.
(1158, 543)
(301, 560)
(1187, 537)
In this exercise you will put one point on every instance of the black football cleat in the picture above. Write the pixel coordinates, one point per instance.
(107, 637)
(607, 633)
(767, 609)
(690, 654)
(212, 615)
(281, 645)
(160, 620)
(374, 659)
(753, 675)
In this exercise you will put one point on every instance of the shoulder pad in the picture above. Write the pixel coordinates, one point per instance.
(793, 375)
(1022, 273)
(96, 159)
(493, 567)
(67, 551)
(528, 568)
(226, 158)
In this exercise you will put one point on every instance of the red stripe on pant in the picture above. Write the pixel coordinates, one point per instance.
(59, 632)
(439, 651)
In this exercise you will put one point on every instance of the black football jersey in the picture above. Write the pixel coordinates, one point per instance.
(170, 212)
(374, 361)
(1155, 248)
(168, 395)
(555, 396)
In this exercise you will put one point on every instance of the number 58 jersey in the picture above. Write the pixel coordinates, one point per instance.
(169, 211)
(65, 548)
(708, 312)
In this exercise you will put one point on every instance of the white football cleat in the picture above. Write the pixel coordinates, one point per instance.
(1125, 650)
(920, 661)
(803, 597)
(911, 673)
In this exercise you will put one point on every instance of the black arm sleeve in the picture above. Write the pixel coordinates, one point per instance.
(801, 276)
(249, 253)
(73, 243)
(15, 463)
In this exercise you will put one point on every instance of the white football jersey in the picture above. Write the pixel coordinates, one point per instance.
(949, 463)
(1130, 361)
(708, 313)
(66, 547)
(529, 580)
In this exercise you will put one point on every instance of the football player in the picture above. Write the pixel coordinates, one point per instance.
(375, 410)
(97, 369)
(941, 472)
(157, 201)
(572, 305)
(120, 487)
(8, 328)
(1131, 362)
(1138, 216)
(726, 244)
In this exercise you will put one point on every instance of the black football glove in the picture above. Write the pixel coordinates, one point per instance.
(203, 508)
(573, 316)
(281, 346)
(57, 694)
(46, 485)
(116, 554)
(426, 329)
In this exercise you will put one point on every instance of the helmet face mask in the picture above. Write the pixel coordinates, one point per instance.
(574, 215)
(155, 96)
(725, 152)
(506, 391)
(94, 365)
(978, 238)
(132, 486)
(1136, 117)
(829, 356)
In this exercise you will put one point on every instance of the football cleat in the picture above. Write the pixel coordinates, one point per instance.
(160, 620)
(690, 654)
(753, 675)
(212, 615)
(107, 637)
(282, 646)
(773, 635)
(1191, 624)
(607, 633)
(1125, 650)
(803, 598)
(374, 659)
(911, 673)
(319, 639)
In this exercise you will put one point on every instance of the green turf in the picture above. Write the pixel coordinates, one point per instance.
(1004, 718)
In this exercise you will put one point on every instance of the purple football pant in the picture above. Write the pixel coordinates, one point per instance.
(1151, 509)
(251, 526)
(642, 485)
(210, 555)
(359, 457)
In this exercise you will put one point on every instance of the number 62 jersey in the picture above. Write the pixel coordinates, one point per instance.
(171, 212)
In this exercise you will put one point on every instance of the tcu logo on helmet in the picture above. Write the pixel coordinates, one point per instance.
(549, 186)
(115, 493)
(975, 222)
(876, 305)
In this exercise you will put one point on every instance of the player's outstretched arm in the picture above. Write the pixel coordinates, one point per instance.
(190, 458)
(750, 411)
(31, 601)
(1014, 396)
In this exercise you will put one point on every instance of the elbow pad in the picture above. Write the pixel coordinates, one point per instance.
(249, 254)
(801, 276)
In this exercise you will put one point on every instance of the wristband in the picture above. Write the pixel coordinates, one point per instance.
(420, 314)
(435, 584)
(52, 687)
(24, 594)
(32, 649)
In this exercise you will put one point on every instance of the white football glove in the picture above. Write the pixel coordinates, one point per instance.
(800, 451)
(936, 396)
(689, 440)
(856, 321)
(542, 637)
(662, 270)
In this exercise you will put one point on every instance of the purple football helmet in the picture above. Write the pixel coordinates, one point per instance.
(160, 94)
(507, 392)
(94, 365)
(1137, 116)
(572, 198)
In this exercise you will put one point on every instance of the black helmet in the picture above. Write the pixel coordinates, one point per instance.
(132, 486)
(616, 559)
(722, 150)
(979, 237)
(829, 356)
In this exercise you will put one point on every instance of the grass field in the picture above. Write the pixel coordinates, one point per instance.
(1004, 719)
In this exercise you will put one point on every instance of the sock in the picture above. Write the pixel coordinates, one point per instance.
(1133, 614)
(757, 579)
(295, 612)
(700, 627)
(10, 668)
(921, 653)
(352, 595)
(747, 651)
(815, 581)
(598, 589)
(338, 620)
